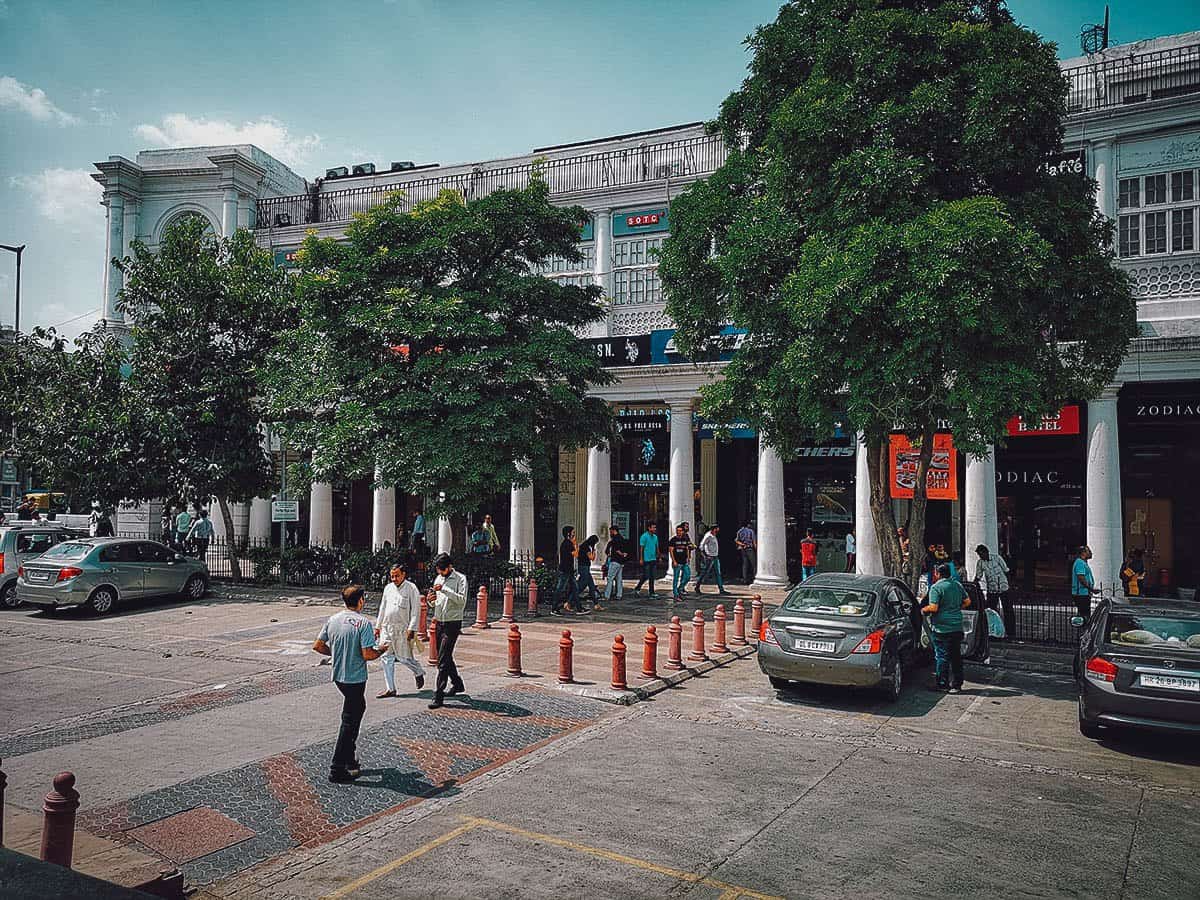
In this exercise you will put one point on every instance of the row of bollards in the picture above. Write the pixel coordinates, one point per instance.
(58, 819)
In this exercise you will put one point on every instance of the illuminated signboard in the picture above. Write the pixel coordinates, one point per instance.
(640, 221)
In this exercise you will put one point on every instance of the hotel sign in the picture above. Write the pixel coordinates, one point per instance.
(1065, 421)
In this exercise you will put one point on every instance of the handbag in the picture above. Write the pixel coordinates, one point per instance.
(995, 624)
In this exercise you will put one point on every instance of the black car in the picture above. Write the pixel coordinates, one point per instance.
(1139, 666)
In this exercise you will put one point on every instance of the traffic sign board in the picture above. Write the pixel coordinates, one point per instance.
(285, 510)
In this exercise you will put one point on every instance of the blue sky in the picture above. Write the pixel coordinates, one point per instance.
(323, 84)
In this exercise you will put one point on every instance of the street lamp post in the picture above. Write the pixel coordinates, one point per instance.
(17, 312)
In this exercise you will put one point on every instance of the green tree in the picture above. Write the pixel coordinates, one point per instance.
(205, 312)
(426, 348)
(886, 232)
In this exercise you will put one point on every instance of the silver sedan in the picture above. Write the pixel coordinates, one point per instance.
(101, 572)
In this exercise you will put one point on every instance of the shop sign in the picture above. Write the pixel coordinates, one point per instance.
(622, 351)
(1072, 163)
(641, 221)
(824, 452)
(706, 429)
(620, 521)
(8, 471)
(1164, 410)
(663, 351)
(1065, 421)
(646, 436)
(941, 481)
(287, 259)
(285, 510)
(586, 232)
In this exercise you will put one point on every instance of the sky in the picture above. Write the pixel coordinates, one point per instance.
(326, 84)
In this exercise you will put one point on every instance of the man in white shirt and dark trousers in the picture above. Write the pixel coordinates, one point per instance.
(449, 601)
(399, 614)
(710, 553)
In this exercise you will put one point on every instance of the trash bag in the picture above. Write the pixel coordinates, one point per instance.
(995, 624)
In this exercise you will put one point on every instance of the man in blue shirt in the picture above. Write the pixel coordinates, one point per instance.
(944, 608)
(348, 638)
(1083, 583)
(648, 554)
(747, 545)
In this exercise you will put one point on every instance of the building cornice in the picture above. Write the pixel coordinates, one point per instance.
(119, 176)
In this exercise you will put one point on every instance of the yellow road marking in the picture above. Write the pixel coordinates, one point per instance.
(353, 886)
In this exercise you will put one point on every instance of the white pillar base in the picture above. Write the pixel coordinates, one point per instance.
(320, 514)
(599, 501)
(772, 525)
(260, 521)
(520, 521)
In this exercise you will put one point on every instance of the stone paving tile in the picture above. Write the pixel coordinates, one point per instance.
(287, 801)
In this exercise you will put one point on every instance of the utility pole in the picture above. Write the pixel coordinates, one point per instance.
(17, 313)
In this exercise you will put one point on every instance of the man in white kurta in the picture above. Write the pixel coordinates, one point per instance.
(399, 612)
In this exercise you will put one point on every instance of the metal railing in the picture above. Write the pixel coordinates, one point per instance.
(628, 166)
(1136, 78)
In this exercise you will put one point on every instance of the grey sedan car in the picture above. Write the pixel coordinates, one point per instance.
(841, 629)
(101, 572)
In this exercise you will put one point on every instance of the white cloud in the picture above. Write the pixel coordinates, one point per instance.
(67, 197)
(181, 130)
(32, 101)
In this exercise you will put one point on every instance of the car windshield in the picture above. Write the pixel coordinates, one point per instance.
(68, 550)
(830, 601)
(1158, 631)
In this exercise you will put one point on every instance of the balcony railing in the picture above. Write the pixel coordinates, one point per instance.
(626, 167)
(1137, 78)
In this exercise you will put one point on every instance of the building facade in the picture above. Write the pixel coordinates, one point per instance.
(1110, 471)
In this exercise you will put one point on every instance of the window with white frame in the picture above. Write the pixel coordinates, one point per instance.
(1157, 214)
(557, 266)
(635, 270)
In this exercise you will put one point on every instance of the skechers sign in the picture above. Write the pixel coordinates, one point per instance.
(663, 350)
(641, 221)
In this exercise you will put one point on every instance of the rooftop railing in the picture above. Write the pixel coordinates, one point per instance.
(626, 167)
(1136, 78)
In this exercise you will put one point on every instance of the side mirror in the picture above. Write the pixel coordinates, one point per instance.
(1077, 621)
(179, 557)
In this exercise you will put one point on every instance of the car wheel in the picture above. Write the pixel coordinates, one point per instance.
(8, 596)
(778, 683)
(893, 686)
(196, 588)
(102, 600)
(1086, 728)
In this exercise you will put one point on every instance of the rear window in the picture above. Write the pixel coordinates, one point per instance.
(1164, 632)
(826, 601)
(68, 551)
(36, 542)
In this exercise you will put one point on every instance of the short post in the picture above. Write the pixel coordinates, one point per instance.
(698, 654)
(3, 783)
(533, 591)
(739, 624)
(514, 650)
(58, 820)
(481, 612)
(650, 653)
(618, 664)
(675, 645)
(756, 606)
(423, 620)
(508, 603)
(433, 642)
(719, 619)
(566, 669)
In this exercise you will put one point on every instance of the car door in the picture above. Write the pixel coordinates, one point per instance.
(900, 619)
(162, 573)
(121, 563)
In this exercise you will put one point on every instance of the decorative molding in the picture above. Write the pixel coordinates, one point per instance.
(1164, 277)
(639, 321)
(178, 211)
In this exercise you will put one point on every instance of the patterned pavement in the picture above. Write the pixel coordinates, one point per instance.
(214, 826)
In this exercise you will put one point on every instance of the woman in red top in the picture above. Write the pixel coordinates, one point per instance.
(808, 556)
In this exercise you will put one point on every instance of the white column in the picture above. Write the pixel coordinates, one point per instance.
(260, 520)
(229, 212)
(241, 520)
(868, 559)
(245, 207)
(1102, 154)
(772, 526)
(383, 513)
(520, 519)
(681, 492)
(320, 514)
(114, 246)
(218, 520)
(980, 500)
(602, 231)
(599, 500)
(445, 536)
(130, 227)
(1103, 493)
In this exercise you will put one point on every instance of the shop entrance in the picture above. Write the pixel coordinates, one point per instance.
(635, 507)
(1039, 534)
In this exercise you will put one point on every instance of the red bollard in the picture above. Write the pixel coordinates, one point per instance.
(58, 820)
(533, 597)
(756, 606)
(433, 642)
(618, 664)
(739, 624)
(481, 618)
(423, 620)
(508, 603)
(514, 651)
(566, 669)
(719, 619)
(698, 653)
(650, 653)
(675, 644)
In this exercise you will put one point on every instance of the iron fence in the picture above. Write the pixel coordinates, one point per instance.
(1135, 78)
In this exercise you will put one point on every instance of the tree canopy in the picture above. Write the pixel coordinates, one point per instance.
(887, 232)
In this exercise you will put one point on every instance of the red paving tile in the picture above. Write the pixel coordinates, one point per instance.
(189, 835)
(306, 820)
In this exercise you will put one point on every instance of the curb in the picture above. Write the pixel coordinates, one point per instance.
(652, 686)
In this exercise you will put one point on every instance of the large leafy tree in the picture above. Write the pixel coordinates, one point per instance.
(205, 313)
(426, 349)
(887, 233)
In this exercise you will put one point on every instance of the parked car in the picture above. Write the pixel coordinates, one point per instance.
(842, 629)
(1138, 666)
(21, 541)
(102, 572)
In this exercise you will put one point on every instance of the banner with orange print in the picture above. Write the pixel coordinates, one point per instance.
(942, 479)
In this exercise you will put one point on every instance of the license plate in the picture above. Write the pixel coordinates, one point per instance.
(35, 577)
(1172, 682)
(815, 646)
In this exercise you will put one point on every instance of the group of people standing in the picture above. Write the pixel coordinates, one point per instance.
(188, 531)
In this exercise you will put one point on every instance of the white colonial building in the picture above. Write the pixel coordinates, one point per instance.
(1111, 470)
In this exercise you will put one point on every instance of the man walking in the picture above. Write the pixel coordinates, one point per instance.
(183, 524)
(648, 554)
(947, 597)
(747, 545)
(710, 559)
(680, 548)
(991, 574)
(200, 534)
(808, 556)
(449, 601)
(493, 538)
(399, 613)
(1083, 583)
(616, 552)
(418, 530)
(851, 549)
(349, 640)
(566, 592)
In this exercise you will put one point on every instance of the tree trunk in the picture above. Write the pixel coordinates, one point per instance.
(879, 470)
(235, 568)
(920, 504)
(458, 536)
